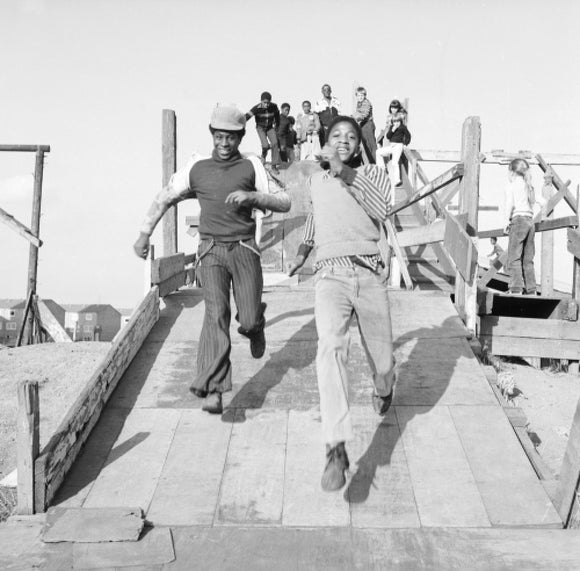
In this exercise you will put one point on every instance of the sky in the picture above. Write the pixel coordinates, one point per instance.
(91, 78)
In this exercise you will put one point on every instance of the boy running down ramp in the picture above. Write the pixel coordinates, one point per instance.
(349, 202)
(228, 256)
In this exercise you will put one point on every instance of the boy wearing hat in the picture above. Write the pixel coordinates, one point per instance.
(267, 116)
(349, 203)
(228, 256)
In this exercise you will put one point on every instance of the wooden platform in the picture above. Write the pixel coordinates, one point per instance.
(445, 456)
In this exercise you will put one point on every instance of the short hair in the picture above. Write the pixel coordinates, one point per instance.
(285, 105)
(345, 119)
(306, 101)
(266, 95)
(361, 90)
(396, 104)
(291, 120)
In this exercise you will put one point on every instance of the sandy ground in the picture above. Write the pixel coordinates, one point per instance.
(549, 400)
(62, 370)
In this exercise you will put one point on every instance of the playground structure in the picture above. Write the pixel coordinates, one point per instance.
(452, 243)
(31, 324)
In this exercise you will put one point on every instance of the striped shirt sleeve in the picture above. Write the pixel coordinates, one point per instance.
(371, 188)
(308, 234)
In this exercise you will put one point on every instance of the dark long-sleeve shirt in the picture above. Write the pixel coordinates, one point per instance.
(267, 117)
(400, 135)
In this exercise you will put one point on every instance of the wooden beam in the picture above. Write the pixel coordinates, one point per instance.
(59, 454)
(449, 193)
(166, 267)
(27, 444)
(566, 493)
(551, 204)
(18, 227)
(530, 347)
(547, 259)
(558, 182)
(494, 268)
(429, 234)
(392, 235)
(25, 148)
(449, 176)
(576, 262)
(465, 251)
(52, 326)
(493, 157)
(169, 143)
(544, 226)
(573, 242)
(558, 329)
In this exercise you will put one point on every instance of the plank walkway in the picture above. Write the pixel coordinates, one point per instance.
(431, 482)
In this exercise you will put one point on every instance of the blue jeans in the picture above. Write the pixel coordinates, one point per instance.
(341, 293)
(521, 250)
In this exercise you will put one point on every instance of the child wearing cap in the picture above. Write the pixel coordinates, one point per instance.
(349, 203)
(228, 256)
(267, 117)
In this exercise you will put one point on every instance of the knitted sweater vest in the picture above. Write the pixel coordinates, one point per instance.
(342, 227)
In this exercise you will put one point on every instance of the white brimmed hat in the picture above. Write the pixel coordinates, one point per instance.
(227, 118)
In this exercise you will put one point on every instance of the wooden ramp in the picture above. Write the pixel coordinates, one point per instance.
(445, 456)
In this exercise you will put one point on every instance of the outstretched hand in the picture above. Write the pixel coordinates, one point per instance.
(241, 198)
(329, 156)
(141, 246)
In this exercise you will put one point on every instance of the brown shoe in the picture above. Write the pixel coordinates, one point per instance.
(213, 404)
(337, 464)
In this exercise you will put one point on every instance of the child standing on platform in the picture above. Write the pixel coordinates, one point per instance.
(519, 226)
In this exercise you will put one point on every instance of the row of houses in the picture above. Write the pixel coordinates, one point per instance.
(88, 322)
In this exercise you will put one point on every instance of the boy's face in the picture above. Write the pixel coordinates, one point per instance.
(226, 143)
(344, 139)
(265, 102)
(285, 111)
(326, 91)
(360, 96)
(306, 108)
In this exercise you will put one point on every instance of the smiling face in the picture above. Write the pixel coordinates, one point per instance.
(306, 108)
(360, 96)
(226, 143)
(326, 91)
(344, 139)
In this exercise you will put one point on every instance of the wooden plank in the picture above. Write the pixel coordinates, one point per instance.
(454, 376)
(493, 157)
(392, 235)
(154, 549)
(172, 284)
(62, 449)
(133, 468)
(570, 471)
(187, 493)
(447, 177)
(27, 444)
(558, 182)
(494, 268)
(167, 267)
(530, 347)
(93, 525)
(461, 249)
(448, 194)
(434, 232)
(573, 242)
(305, 504)
(169, 164)
(540, 467)
(19, 228)
(439, 469)
(508, 485)
(380, 491)
(544, 226)
(252, 489)
(50, 323)
(557, 329)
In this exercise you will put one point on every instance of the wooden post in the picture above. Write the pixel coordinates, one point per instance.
(547, 279)
(27, 444)
(169, 142)
(576, 275)
(35, 230)
(466, 295)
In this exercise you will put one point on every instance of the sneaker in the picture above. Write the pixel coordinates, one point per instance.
(337, 464)
(213, 404)
(382, 404)
(258, 344)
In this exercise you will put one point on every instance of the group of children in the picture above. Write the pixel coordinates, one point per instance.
(280, 133)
